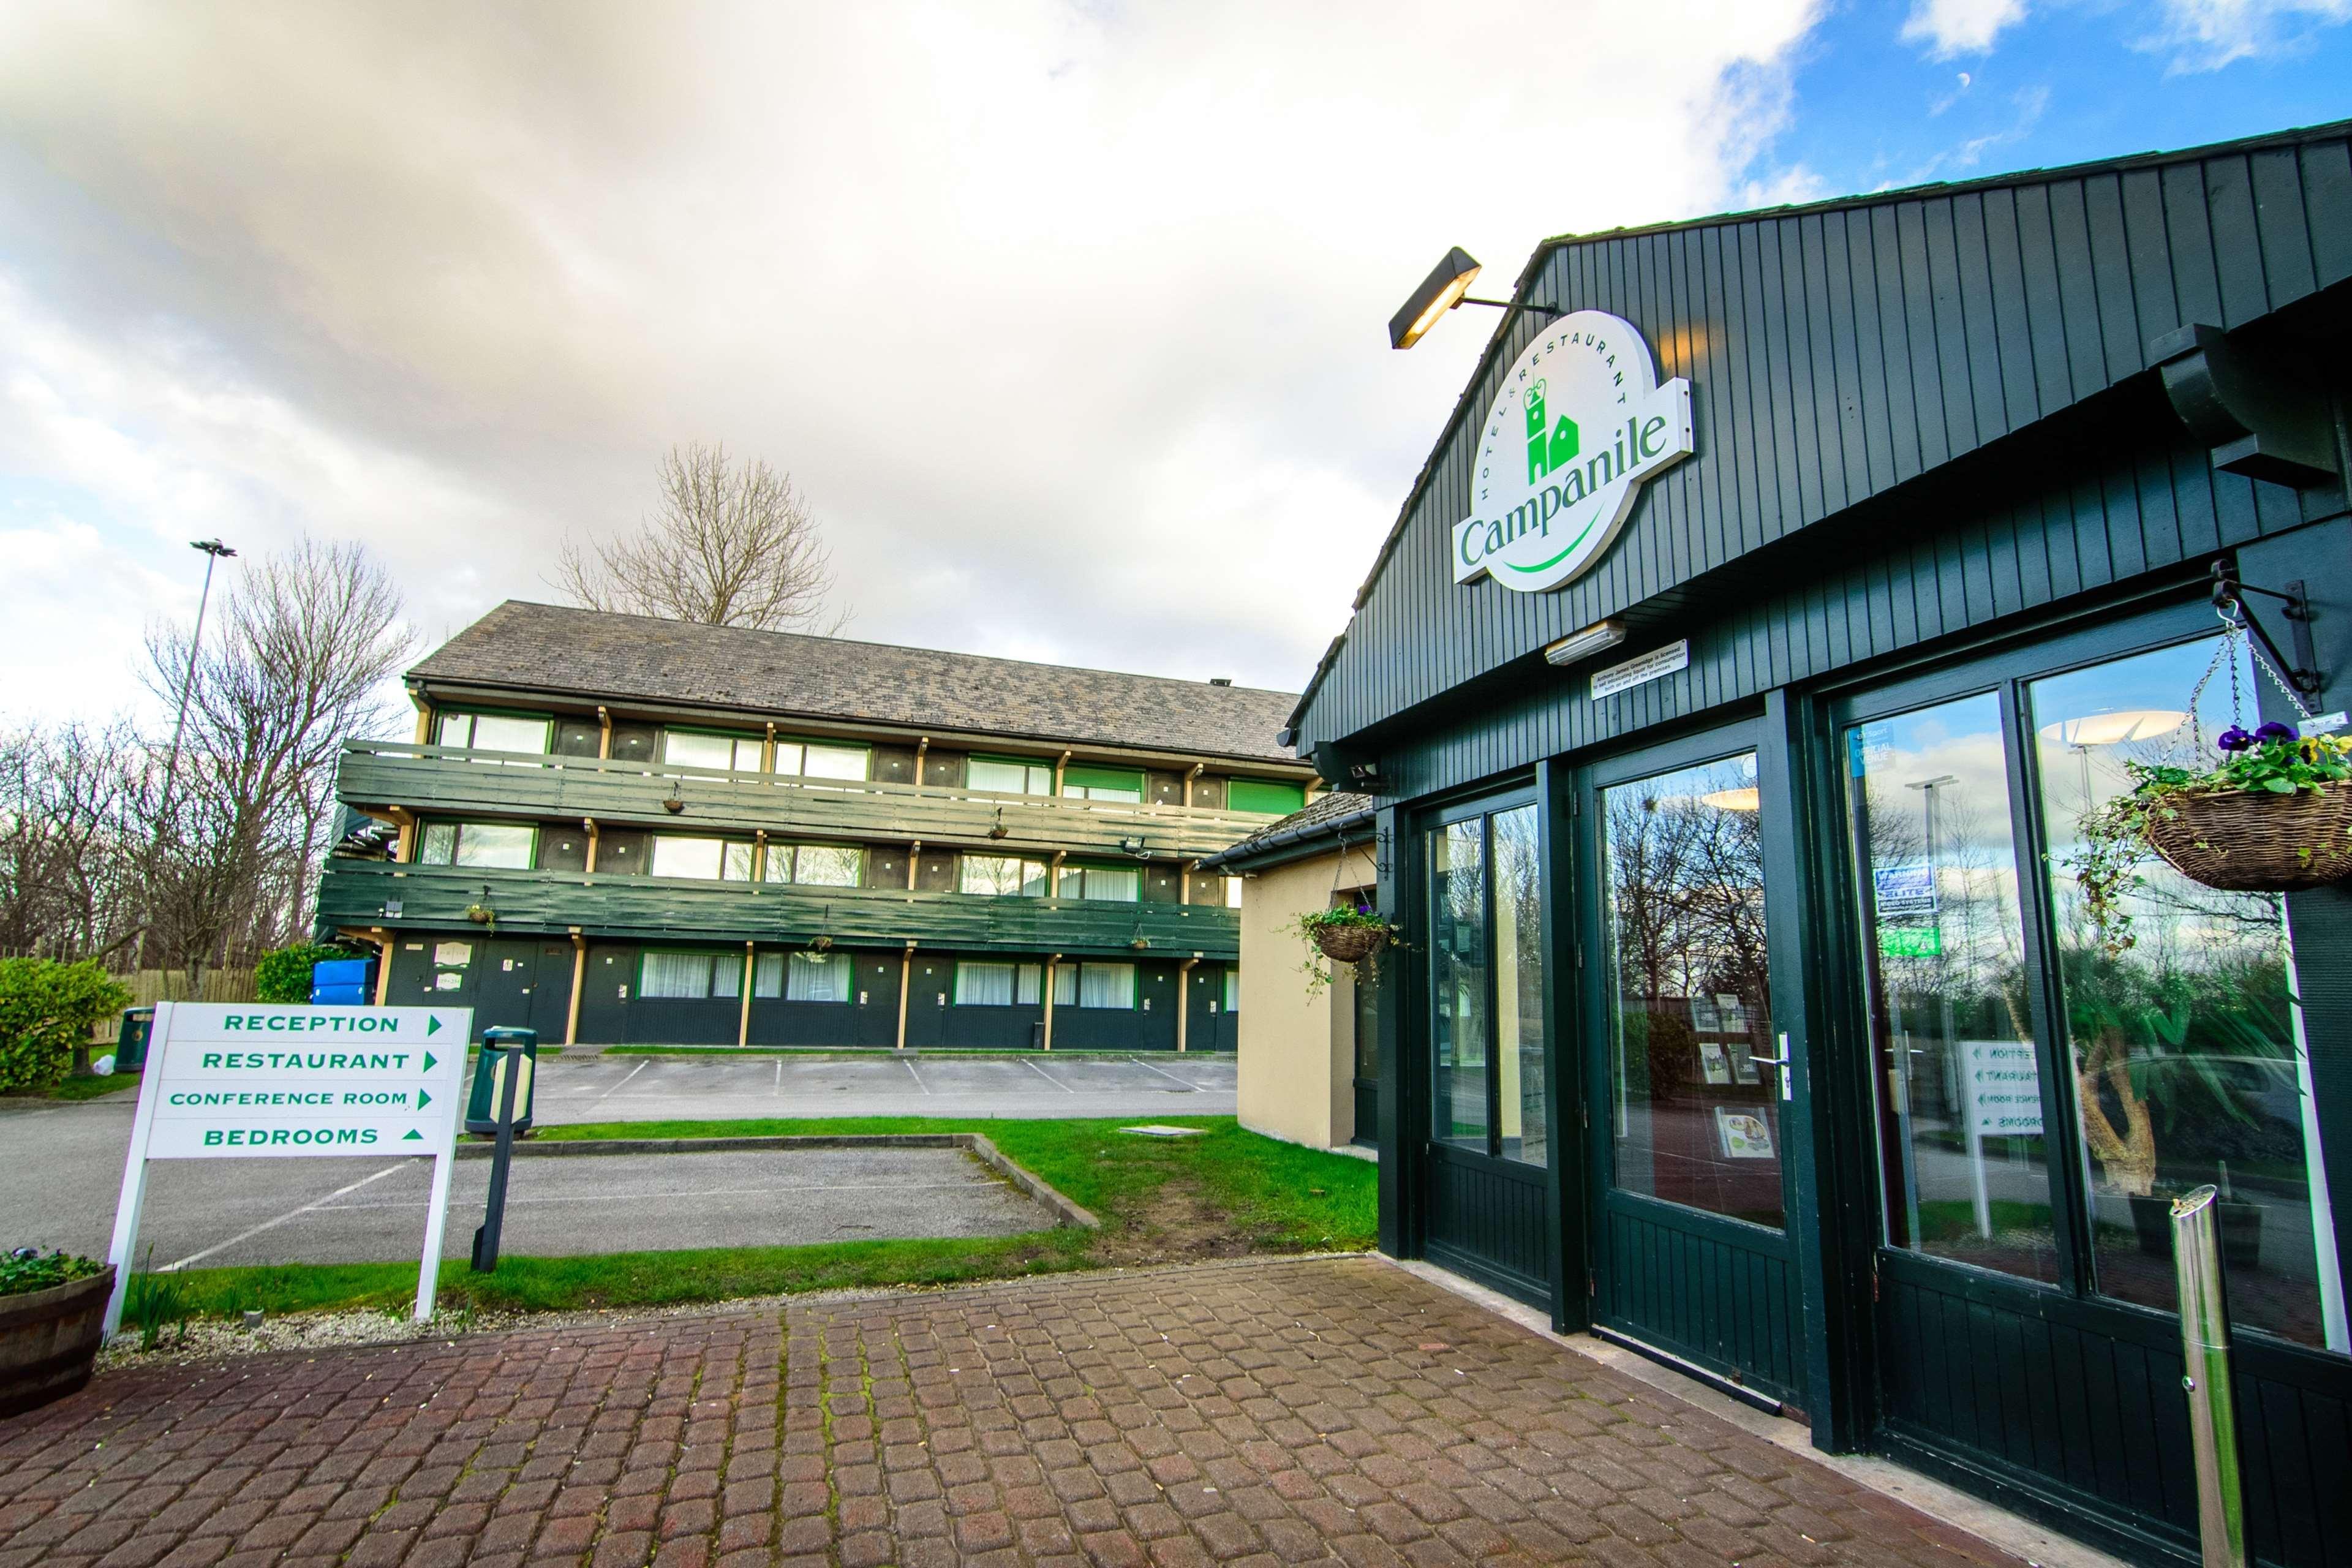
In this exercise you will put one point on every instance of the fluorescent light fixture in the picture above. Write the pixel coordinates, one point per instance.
(1592, 639)
(1747, 798)
(2113, 726)
(1439, 292)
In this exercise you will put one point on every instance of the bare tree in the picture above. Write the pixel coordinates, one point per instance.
(731, 545)
(68, 839)
(308, 643)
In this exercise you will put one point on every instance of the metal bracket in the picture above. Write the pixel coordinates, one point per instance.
(2228, 593)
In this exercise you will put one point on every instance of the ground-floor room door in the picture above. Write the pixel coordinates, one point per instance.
(1486, 1159)
(1685, 1092)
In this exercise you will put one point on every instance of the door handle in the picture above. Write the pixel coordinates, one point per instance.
(1787, 1078)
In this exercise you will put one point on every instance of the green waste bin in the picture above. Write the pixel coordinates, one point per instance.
(499, 1047)
(131, 1042)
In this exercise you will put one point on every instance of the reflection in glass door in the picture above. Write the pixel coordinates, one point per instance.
(1964, 1166)
(1487, 1201)
(1691, 1080)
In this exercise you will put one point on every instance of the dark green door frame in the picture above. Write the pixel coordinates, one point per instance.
(1556, 820)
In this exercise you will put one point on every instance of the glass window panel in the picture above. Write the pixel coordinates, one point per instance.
(1965, 1163)
(767, 975)
(736, 864)
(689, 749)
(672, 974)
(788, 757)
(1011, 776)
(818, 978)
(504, 732)
(2190, 1059)
(1518, 986)
(1695, 1118)
(1106, 986)
(726, 975)
(1027, 986)
(1119, 884)
(1102, 784)
(748, 749)
(1233, 892)
(675, 857)
(1457, 974)
(984, 984)
(504, 844)
(440, 844)
(998, 875)
(1065, 985)
(451, 728)
(833, 761)
(1233, 989)
(828, 865)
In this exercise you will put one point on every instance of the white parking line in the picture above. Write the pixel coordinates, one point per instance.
(625, 1082)
(281, 1219)
(780, 1078)
(916, 1075)
(1172, 1078)
(1049, 1077)
(517, 1199)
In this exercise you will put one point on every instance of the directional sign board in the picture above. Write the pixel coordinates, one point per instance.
(248, 1080)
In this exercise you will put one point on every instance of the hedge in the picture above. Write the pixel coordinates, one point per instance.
(283, 974)
(46, 1009)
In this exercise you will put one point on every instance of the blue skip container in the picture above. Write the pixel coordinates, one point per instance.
(342, 983)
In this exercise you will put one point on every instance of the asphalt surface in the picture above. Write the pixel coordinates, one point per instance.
(578, 1088)
(64, 1163)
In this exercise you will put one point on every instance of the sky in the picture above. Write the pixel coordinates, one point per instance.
(1068, 318)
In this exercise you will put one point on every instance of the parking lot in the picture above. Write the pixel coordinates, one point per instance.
(615, 1086)
(216, 1213)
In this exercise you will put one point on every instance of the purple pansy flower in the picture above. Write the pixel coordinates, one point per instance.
(2275, 732)
(2233, 740)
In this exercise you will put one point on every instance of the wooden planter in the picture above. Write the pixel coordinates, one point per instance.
(2249, 841)
(1349, 944)
(49, 1339)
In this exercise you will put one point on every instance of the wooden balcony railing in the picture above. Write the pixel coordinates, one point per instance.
(459, 782)
(368, 893)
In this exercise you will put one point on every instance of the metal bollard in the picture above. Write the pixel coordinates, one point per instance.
(494, 1218)
(2205, 1352)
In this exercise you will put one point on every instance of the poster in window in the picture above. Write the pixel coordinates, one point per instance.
(453, 954)
(1743, 1064)
(1743, 1134)
(447, 981)
(1714, 1063)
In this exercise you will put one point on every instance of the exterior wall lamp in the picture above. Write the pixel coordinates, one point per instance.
(1582, 645)
(1448, 286)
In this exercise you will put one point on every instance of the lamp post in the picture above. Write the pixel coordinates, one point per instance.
(215, 551)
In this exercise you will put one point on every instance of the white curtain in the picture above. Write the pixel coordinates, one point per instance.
(767, 975)
(1106, 986)
(676, 974)
(984, 984)
(815, 979)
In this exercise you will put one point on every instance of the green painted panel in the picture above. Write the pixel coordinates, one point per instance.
(1266, 796)
(367, 893)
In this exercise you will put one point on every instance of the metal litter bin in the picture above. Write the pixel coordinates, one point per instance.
(131, 1043)
(500, 1046)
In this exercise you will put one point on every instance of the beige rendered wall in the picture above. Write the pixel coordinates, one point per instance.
(1295, 1057)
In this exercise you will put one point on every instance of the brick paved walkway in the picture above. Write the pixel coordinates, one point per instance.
(1260, 1413)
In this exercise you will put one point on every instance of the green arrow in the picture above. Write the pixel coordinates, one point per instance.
(428, 1061)
(412, 1136)
(432, 1025)
(423, 1100)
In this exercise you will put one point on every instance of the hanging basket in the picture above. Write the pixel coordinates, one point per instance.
(2251, 841)
(1350, 944)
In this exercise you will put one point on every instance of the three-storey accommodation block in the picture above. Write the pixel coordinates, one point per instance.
(617, 829)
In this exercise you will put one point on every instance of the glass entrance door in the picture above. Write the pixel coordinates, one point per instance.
(1485, 1194)
(1691, 1249)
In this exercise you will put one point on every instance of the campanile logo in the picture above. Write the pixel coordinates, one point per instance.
(1581, 425)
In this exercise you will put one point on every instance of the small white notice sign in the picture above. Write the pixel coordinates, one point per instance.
(1657, 662)
(252, 1080)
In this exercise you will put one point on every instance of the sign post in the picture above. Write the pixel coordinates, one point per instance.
(245, 1080)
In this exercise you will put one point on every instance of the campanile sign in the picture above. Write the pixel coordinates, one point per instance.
(1580, 424)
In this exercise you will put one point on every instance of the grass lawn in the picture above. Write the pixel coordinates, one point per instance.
(1226, 1194)
(91, 1087)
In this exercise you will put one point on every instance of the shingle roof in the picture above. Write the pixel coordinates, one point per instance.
(591, 654)
(1327, 816)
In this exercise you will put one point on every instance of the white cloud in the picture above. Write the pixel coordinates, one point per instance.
(1952, 28)
(2207, 35)
(1067, 317)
